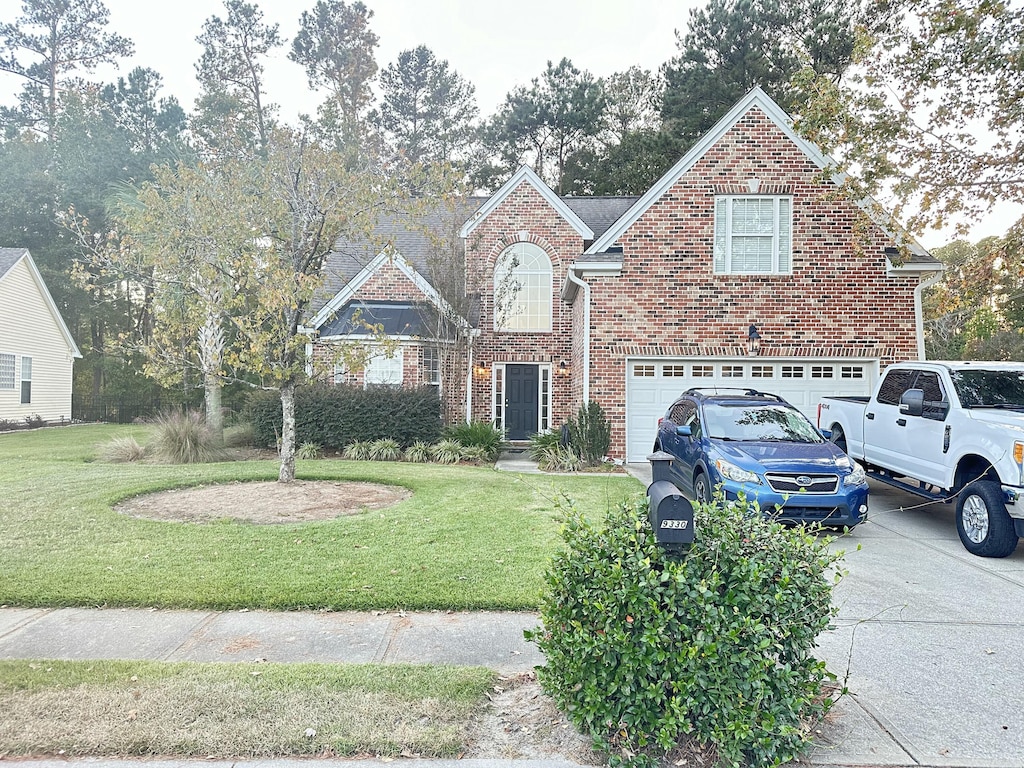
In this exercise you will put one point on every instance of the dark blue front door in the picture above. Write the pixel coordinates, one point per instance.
(522, 384)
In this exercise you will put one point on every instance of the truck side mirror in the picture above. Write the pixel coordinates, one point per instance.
(912, 402)
(685, 431)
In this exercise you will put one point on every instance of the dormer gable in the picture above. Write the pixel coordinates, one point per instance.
(526, 175)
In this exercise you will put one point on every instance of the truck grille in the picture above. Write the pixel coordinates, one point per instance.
(787, 483)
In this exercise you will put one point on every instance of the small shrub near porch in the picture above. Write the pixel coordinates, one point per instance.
(644, 650)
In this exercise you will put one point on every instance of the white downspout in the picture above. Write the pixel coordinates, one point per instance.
(586, 331)
(919, 310)
(469, 381)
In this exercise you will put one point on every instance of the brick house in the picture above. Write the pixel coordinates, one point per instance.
(737, 268)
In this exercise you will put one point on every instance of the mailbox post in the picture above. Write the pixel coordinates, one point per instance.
(670, 512)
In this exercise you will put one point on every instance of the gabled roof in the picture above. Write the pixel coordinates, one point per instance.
(9, 257)
(348, 293)
(755, 99)
(526, 175)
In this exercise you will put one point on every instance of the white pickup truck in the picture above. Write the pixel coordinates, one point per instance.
(952, 431)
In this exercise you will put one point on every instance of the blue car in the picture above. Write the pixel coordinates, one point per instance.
(759, 445)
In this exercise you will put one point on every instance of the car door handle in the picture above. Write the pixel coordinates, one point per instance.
(869, 416)
(901, 422)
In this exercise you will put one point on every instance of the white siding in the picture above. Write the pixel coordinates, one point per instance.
(29, 329)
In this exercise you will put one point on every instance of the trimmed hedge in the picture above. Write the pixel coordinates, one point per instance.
(644, 649)
(337, 416)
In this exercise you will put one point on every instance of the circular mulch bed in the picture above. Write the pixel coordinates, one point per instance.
(263, 503)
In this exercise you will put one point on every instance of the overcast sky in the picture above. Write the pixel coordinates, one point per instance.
(495, 45)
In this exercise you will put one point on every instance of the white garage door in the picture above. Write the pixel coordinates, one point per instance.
(652, 384)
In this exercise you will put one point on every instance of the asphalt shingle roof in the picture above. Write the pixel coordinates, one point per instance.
(8, 258)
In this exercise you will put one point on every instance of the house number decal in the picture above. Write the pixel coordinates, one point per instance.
(675, 524)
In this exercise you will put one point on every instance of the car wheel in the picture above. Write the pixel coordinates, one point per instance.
(839, 439)
(701, 489)
(982, 521)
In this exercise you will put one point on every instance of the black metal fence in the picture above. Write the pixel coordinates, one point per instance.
(124, 409)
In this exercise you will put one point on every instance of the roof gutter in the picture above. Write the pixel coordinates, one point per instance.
(576, 280)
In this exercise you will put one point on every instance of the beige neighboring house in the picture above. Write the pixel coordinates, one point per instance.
(37, 351)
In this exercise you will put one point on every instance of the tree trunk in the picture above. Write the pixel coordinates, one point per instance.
(287, 473)
(214, 413)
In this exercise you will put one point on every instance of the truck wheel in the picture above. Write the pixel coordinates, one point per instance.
(839, 439)
(701, 490)
(982, 521)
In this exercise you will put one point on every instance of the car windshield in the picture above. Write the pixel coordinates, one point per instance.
(759, 422)
(989, 389)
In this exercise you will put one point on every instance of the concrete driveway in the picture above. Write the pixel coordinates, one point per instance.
(931, 641)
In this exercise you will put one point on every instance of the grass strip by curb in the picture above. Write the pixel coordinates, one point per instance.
(189, 710)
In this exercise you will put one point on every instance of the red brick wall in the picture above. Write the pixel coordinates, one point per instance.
(837, 301)
(524, 216)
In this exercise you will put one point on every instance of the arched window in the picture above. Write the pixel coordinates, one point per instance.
(522, 289)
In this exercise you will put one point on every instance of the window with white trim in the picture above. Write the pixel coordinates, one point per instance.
(762, 371)
(26, 380)
(732, 371)
(792, 371)
(851, 372)
(643, 370)
(673, 371)
(6, 371)
(432, 366)
(382, 369)
(753, 235)
(703, 371)
(522, 289)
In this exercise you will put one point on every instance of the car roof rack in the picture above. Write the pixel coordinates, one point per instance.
(747, 391)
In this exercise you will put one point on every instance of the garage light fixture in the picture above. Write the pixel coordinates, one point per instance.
(480, 369)
(563, 368)
(753, 340)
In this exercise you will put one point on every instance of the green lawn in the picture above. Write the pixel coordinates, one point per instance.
(469, 537)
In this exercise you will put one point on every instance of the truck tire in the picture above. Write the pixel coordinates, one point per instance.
(838, 438)
(982, 521)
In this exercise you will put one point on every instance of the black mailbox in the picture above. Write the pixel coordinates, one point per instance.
(670, 512)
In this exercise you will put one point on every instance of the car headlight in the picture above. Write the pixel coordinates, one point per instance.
(858, 476)
(734, 473)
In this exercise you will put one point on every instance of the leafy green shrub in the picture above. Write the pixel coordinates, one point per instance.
(590, 433)
(358, 451)
(309, 451)
(385, 449)
(34, 421)
(446, 452)
(542, 443)
(482, 434)
(418, 452)
(123, 449)
(182, 437)
(643, 649)
(335, 416)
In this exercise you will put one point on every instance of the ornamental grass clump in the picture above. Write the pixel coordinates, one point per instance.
(182, 437)
(647, 651)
